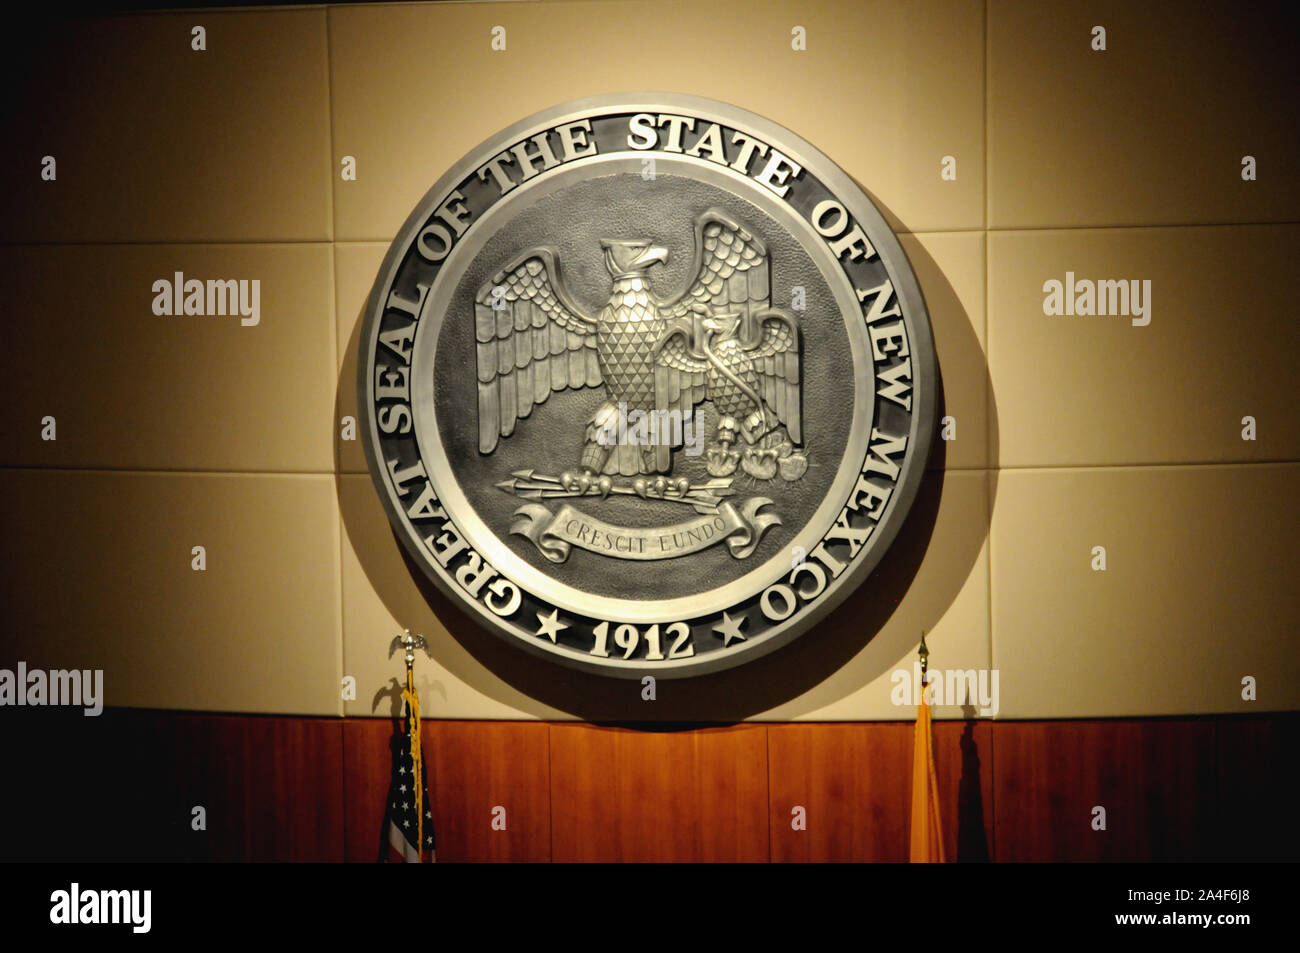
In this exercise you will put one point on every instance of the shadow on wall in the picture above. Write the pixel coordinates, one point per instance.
(826, 658)
(972, 818)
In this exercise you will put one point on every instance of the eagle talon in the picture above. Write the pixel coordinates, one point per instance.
(721, 461)
(577, 481)
(793, 466)
(760, 464)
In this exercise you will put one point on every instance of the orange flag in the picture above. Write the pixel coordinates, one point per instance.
(927, 835)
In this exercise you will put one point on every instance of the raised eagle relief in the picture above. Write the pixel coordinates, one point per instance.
(717, 340)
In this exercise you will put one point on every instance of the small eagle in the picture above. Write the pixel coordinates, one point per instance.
(719, 338)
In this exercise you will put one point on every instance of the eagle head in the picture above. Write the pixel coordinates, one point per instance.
(631, 257)
(721, 325)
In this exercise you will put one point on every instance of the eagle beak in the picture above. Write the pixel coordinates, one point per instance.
(652, 254)
(721, 323)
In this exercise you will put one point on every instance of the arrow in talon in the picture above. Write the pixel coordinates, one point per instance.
(722, 487)
(530, 485)
(526, 492)
(531, 491)
(531, 474)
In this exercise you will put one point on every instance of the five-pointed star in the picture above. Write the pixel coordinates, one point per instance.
(729, 628)
(550, 625)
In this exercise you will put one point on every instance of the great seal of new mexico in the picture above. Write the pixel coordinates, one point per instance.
(647, 384)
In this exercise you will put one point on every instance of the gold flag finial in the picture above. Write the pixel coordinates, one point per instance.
(924, 655)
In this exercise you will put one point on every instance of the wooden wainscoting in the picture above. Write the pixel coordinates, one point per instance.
(126, 786)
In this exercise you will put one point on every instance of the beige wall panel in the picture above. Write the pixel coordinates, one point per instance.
(886, 90)
(950, 268)
(1152, 130)
(157, 142)
(356, 265)
(129, 388)
(1199, 591)
(380, 599)
(1222, 344)
(948, 599)
(1112, 435)
(98, 570)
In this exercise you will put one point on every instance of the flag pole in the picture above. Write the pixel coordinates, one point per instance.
(410, 643)
(926, 829)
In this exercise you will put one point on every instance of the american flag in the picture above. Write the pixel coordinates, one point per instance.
(405, 827)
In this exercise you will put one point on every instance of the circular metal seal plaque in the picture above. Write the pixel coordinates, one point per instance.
(648, 384)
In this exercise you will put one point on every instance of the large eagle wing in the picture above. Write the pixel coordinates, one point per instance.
(776, 360)
(530, 339)
(731, 273)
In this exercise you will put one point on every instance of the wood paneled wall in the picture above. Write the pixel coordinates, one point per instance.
(125, 786)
